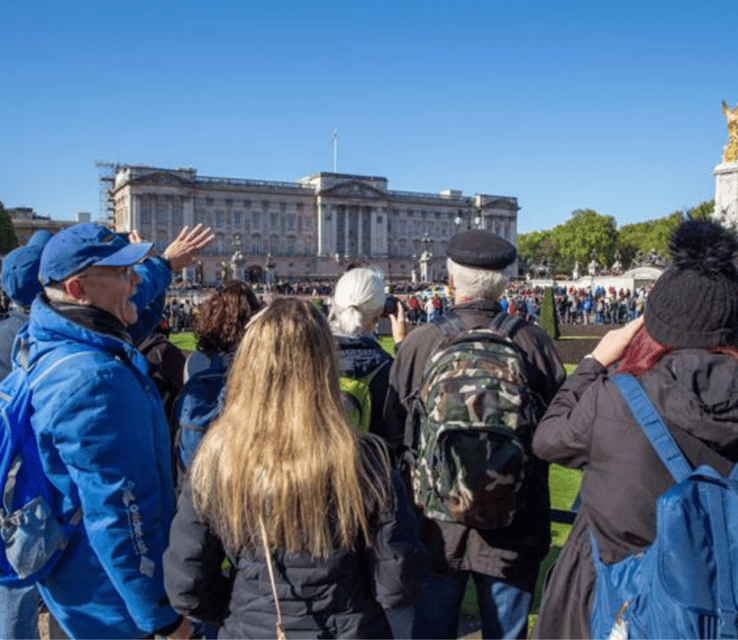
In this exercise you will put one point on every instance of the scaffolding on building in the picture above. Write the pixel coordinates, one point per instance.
(106, 180)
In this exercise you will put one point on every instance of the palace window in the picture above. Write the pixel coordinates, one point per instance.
(177, 214)
(161, 212)
(291, 245)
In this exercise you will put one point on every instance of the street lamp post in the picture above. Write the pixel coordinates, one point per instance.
(426, 257)
(478, 217)
(341, 260)
(457, 221)
(268, 272)
(237, 258)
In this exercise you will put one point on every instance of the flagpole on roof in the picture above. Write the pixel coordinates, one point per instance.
(335, 150)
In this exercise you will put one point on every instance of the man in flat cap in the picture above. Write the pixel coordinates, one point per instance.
(503, 562)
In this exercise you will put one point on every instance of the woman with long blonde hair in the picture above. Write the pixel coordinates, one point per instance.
(283, 460)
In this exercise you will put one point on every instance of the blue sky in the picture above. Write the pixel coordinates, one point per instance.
(613, 106)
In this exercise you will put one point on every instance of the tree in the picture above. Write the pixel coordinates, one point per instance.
(538, 247)
(8, 237)
(702, 211)
(644, 237)
(586, 231)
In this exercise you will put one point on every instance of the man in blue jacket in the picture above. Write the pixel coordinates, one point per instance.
(102, 432)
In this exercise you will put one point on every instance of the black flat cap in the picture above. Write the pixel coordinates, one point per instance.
(481, 250)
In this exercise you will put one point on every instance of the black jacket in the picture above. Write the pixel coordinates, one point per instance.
(343, 597)
(588, 426)
(513, 553)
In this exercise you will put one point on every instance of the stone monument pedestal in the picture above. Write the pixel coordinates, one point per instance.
(726, 193)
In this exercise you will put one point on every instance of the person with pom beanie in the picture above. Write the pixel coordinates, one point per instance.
(684, 353)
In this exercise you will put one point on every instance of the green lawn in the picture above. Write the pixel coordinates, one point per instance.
(188, 342)
(185, 341)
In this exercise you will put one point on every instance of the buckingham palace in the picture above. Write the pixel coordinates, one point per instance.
(310, 229)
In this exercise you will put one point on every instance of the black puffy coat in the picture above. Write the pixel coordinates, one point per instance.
(342, 597)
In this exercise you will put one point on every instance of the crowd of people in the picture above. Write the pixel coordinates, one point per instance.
(230, 493)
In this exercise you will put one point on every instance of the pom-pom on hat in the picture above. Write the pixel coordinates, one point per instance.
(75, 248)
(694, 303)
(481, 249)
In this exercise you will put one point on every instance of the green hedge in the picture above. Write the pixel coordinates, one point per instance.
(548, 318)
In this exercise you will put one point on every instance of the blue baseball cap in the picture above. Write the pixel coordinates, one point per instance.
(20, 270)
(85, 245)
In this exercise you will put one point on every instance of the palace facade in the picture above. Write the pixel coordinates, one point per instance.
(308, 229)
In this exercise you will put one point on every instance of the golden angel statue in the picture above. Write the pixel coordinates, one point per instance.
(730, 154)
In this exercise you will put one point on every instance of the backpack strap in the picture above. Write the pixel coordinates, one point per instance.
(505, 323)
(653, 426)
(279, 627)
(450, 325)
(369, 377)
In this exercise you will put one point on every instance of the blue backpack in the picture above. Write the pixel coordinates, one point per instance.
(33, 536)
(685, 585)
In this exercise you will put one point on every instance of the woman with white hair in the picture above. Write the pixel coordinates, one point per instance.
(356, 307)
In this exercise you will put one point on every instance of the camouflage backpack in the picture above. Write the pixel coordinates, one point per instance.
(473, 418)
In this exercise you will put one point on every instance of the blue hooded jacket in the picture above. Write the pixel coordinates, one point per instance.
(200, 402)
(105, 446)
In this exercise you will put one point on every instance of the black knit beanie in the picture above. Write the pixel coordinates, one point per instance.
(694, 303)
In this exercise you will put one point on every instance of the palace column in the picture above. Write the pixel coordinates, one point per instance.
(378, 244)
(359, 225)
(135, 216)
(188, 210)
(513, 230)
(319, 240)
(346, 236)
(323, 220)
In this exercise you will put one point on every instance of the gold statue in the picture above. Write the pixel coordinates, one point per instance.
(730, 154)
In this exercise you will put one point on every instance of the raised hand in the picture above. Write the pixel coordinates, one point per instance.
(185, 247)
